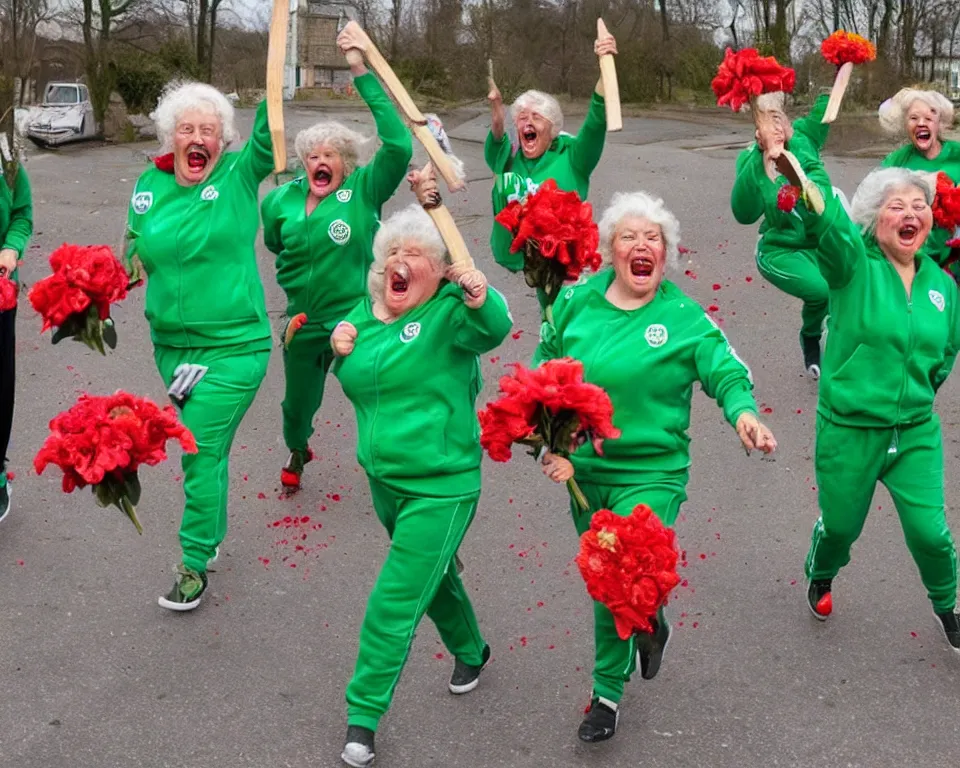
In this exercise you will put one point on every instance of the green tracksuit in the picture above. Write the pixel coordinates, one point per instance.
(569, 161)
(785, 249)
(947, 161)
(648, 361)
(887, 354)
(414, 383)
(323, 258)
(205, 305)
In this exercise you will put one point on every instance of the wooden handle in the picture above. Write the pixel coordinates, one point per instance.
(456, 247)
(438, 157)
(611, 89)
(276, 55)
(789, 166)
(836, 95)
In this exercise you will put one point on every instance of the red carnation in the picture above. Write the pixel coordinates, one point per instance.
(787, 197)
(8, 294)
(746, 74)
(76, 298)
(847, 48)
(946, 203)
(164, 162)
(557, 233)
(103, 441)
(547, 407)
(630, 565)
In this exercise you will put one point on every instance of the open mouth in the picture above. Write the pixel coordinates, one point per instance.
(399, 281)
(529, 135)
(197, 158)
(908, 232)
(641, 266)
(322, 177)
(922, 134)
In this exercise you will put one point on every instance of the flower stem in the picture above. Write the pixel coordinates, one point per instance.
(131, 512)
(578, 495)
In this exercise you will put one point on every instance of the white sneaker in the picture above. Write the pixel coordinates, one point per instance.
(357, 755)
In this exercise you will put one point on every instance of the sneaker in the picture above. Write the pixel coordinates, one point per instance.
(465, 676)
(819, 599)
(186, 592)
(950, 624)
(293, 470)
(358, 751)
(650, 648)
(4, 500)
(811, 355)
(601, 721)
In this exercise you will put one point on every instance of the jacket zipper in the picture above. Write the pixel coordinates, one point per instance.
(909, 348)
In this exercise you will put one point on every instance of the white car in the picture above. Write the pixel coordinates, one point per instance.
(66, 115)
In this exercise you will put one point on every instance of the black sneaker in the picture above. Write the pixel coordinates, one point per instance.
(4, 500)
(650, 648)
(465, 676)
(819, 598)
(358, 751)
(601, 721)
(811, 355)
(950, 624)
(186, 592)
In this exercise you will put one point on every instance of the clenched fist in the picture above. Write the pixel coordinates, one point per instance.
(343, 339)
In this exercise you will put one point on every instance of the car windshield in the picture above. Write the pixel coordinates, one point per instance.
(61, 94)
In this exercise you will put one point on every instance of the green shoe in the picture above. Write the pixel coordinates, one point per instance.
(186, 592)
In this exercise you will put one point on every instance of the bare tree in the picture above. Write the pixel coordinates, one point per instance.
(19, 20)
(99, 21)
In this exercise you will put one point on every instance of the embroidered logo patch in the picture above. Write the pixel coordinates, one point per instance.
(656, 335)
(142, 202)
(937, 299)
(410, 332)
(344, 195)
(209, 193)
(339, 232)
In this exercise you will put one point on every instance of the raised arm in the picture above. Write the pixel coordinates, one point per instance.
(256, 158)
(270, 214)
(384, 173)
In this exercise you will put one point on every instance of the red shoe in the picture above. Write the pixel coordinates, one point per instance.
(819, 598)
(291, 473)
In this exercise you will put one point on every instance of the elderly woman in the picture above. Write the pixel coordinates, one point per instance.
(544, 152)
(785, 249)
(923, 117)
(321, 227)
(894, 331)
(16, 226)
(192, 225)
(407, 358)
(657, 335)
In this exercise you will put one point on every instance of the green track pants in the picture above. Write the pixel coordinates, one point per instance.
(796, 273)
(909, 462)
(305, 366)
(419, 576)
(213, 412)
(616, 659)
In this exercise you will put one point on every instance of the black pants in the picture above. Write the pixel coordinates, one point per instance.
(8, 348)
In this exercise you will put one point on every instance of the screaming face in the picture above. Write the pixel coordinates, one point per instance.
(324, 166)
(197, 146)
(535, 133)
(903, 224)
(923, 127)
(639, 256)
(411, 277)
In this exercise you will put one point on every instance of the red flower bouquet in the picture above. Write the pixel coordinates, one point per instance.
(787, 197)
(548, 407)
(746, 74)
(8, 294)
(946, 203)
(847, 48)
(630, 565)
(76, 298)
(103, 441)
(557, 234)
(164, 162)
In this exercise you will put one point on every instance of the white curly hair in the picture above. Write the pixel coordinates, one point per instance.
(543, 104)
(410, 224)
(347, 142)
(640, 205)
(894, 111)
(877, 187)
(179, 97)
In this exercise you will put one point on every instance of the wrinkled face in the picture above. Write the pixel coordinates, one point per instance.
(411, 277)
(923, 126)
(903, 223)
(773, 128)
(535, 133)
(197, 144)
(639, 256)
(324, 166)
